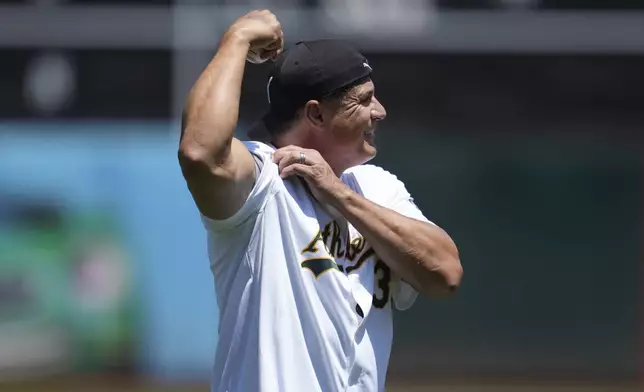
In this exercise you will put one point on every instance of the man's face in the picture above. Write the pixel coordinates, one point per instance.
(350, 121)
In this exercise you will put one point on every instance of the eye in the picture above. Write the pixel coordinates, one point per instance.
(367, 98)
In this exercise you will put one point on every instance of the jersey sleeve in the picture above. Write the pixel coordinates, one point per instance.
(385, 189)
(262, 190)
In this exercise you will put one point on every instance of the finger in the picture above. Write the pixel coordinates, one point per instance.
(280, 158)
(278, 42)
(279, 51)
(291, 158)
(274, 49)
(275, 52)
(269, 54)
(297, 169)
(282, 152)
(281, 162)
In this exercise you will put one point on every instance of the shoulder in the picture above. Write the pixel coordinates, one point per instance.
(259, 149)
(374, 175)
(376, 183)
(263, 188)
(370, 171)
(383, 188)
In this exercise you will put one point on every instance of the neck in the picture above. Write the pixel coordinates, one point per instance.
(308, 142)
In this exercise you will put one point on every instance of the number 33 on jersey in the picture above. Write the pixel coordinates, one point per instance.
(327, 252)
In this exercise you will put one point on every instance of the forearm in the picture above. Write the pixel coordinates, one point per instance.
(212, 109)
(420, 253)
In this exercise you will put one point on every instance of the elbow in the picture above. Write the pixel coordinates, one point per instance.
(197, 157)
(191, 154)
(450, 266)
(203, 144)
(191, 159)
(196, 163)
(444, 281)
(452, 274)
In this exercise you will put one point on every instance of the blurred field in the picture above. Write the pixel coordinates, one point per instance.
(425, 388)
(117, 384)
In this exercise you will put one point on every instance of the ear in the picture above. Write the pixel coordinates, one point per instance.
(313, 114)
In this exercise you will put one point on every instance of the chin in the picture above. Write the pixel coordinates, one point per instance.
(368, 152)
(369, 146)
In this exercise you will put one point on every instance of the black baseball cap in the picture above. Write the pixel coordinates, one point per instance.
(308, 70)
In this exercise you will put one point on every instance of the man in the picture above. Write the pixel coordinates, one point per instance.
(309, 247)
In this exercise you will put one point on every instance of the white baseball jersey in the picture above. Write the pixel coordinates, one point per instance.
(305, 304)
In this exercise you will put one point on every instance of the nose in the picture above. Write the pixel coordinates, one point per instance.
(378, 112)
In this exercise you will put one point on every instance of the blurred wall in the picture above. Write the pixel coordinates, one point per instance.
(130, 171)
(549, 238)
(548, 231)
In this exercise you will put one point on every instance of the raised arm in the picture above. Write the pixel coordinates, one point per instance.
(219, 170)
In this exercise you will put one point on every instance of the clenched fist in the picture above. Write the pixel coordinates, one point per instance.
(262, 31)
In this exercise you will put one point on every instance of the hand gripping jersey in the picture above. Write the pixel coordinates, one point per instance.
(305, 304)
